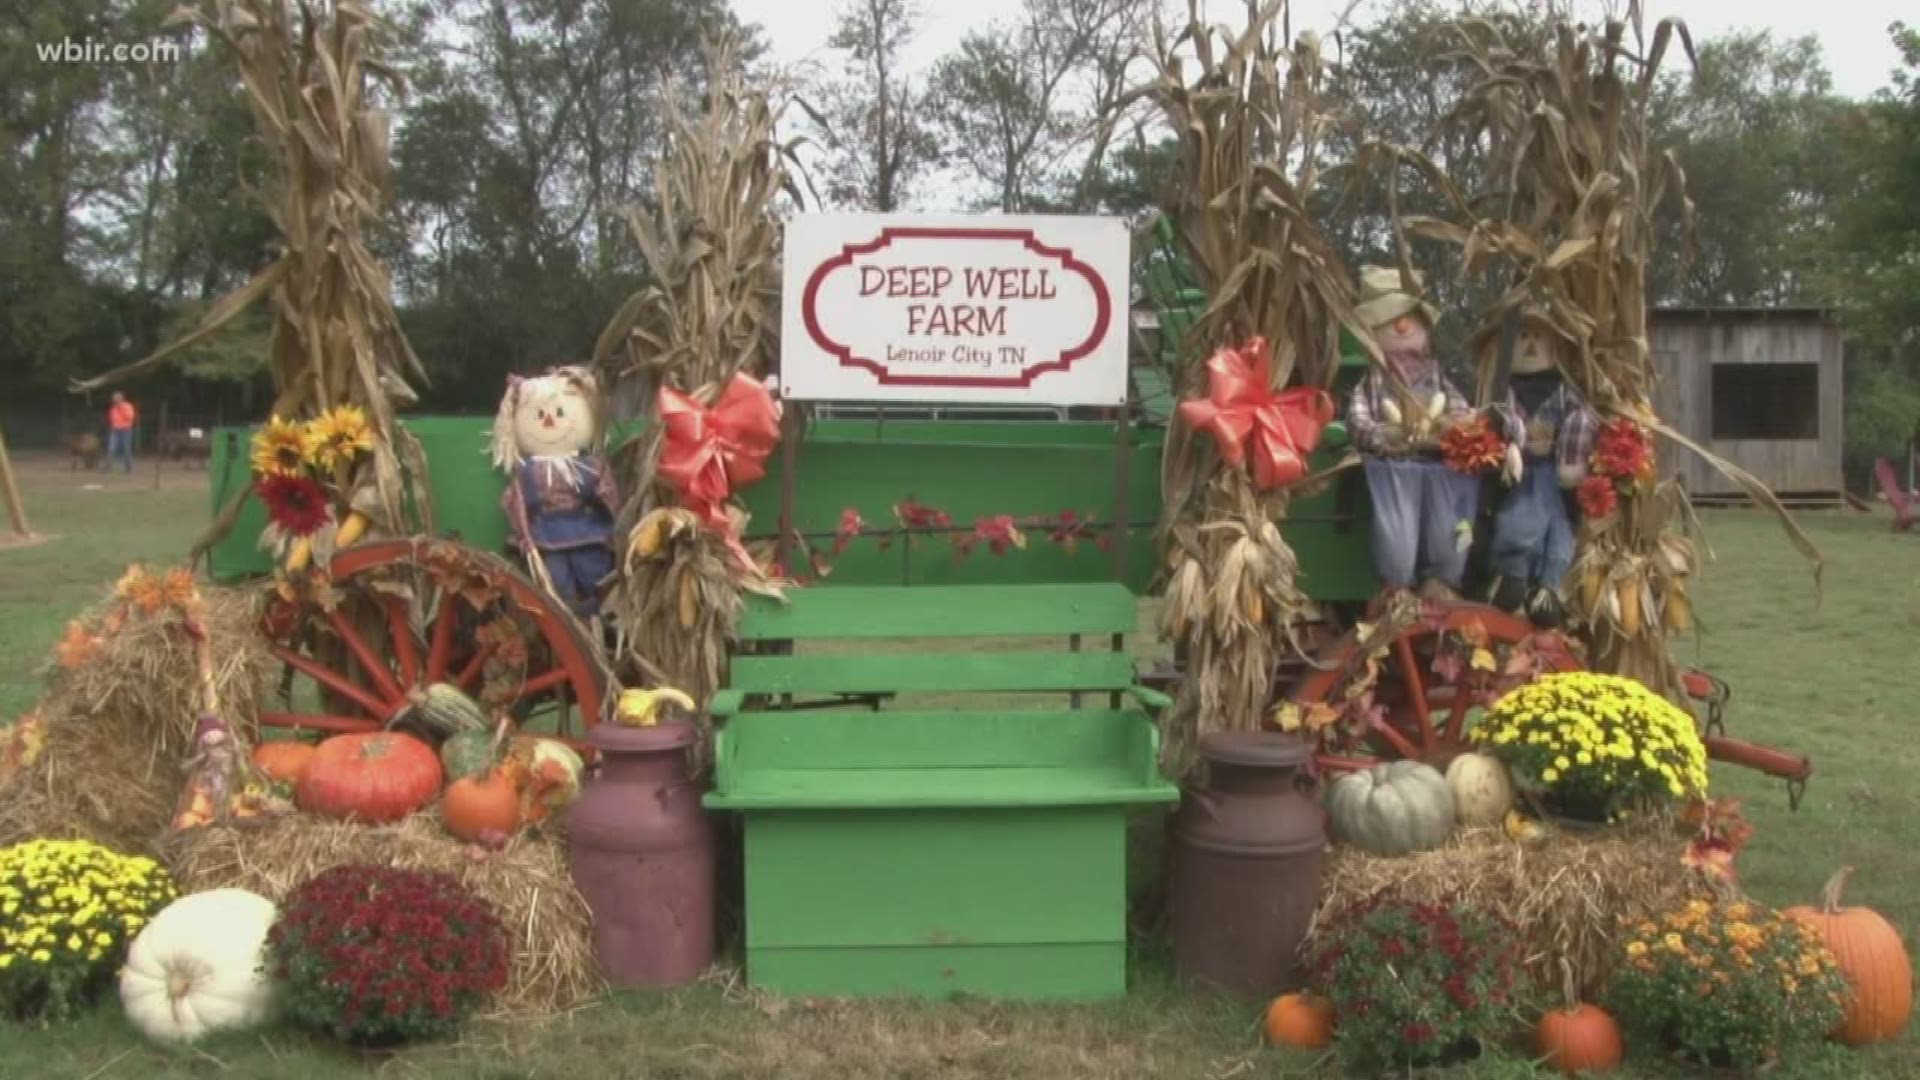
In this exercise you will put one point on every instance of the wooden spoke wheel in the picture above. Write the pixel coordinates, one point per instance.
(393, 616)
(1417, 693)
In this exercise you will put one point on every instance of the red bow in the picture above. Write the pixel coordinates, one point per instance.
(709, 453)
(1243, 412)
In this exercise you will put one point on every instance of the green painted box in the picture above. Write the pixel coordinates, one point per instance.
(928, 854)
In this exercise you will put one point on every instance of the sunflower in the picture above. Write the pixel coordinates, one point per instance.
(282, 448)
(298, 504)
(339, 435)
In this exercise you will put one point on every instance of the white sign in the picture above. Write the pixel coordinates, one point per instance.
(900, 307)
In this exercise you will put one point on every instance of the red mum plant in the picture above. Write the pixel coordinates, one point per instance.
(1472, 446)
(1598, 497)
(298, 504)
(1414, 983)
(377, 956)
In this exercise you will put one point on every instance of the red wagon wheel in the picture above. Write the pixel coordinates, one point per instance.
(1376, 697)
(393, 616)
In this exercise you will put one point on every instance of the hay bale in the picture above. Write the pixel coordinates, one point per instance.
(119, 726)
(1572, 897)
(527, 883)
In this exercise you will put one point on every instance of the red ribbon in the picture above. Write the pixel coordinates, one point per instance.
(1247, 418)
(709, 453)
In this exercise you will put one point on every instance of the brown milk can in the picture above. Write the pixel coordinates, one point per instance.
(1246, 847)
(642, 856)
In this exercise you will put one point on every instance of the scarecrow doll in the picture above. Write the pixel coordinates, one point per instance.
(1422, 510)
(1550, 431)
(560, 502)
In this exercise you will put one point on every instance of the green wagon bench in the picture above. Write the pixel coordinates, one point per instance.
(925, 851)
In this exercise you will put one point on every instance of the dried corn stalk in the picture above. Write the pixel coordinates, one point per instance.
(1252, 130)
(309, 70)
(1578, 181)
(711, 309)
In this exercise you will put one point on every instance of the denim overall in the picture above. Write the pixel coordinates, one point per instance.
(1533, 529)
(569, 527)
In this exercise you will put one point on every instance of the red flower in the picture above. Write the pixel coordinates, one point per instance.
(1597, 497)
(1621, 452)
(1472, 446)
(298, 504)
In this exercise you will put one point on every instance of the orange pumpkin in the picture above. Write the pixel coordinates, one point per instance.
(283, 760)
(1580, 1038)
(375, 777)
(478, 805)
(1873, 959)
(1302, 1021)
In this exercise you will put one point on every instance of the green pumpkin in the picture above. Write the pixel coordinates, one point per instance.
(468, 753)
(1392, 809)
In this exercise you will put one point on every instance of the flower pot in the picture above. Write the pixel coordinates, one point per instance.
(1467, 1049)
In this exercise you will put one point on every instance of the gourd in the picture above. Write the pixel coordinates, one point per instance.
(478, 808)
(470, 753)
(442, 710)
(552, 772)
(1579, 1037)
(374, 777)
(1482, 788)
(1392, 809)
(283, 760)
(1302, 1021)
(1872, 958)
(196, 967)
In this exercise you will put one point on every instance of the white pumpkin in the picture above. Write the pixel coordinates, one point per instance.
(1392, 809)
(1482, 788)
(197, 966)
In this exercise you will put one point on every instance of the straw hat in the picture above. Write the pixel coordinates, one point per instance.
(1382, 300)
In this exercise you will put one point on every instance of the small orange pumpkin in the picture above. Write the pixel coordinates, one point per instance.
(1578, 1037)
(1303, 1021)
(475, 806)
(283, 760)
(1872, 958)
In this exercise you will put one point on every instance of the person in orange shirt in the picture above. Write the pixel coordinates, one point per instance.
(121, 416)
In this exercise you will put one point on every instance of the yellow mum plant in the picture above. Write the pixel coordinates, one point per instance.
(68, 911)
(1729, 983)
(1592, 745)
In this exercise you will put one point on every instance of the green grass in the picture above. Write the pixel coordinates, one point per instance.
(1834, 681)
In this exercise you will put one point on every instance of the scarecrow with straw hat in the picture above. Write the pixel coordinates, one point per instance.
(1549, 430)
(1423, 511)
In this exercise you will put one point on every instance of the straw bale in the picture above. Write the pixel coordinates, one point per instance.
(1573, 897)
(119, 727)
(527, 883)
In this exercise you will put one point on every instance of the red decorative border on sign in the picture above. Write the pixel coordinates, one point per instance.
(1103, 306)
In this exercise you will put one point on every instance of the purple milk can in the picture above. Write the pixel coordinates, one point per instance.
(642, 854)
(1246, 849)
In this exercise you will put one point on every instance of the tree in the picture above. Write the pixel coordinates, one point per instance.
(1877, 282)
(875, 117)
(1755, 126)
(1027, 110)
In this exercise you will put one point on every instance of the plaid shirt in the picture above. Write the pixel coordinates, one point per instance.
(1366, 411)
(1563, 427)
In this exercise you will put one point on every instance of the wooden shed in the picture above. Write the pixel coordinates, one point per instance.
(1761, 387)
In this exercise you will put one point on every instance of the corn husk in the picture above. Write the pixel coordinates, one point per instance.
(1249, 114)
(1577, 182)
(311, 73)
(711, 310)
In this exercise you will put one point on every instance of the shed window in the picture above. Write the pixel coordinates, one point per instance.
(1766, 401)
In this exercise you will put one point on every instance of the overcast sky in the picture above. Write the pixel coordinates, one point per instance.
(1853, 32)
